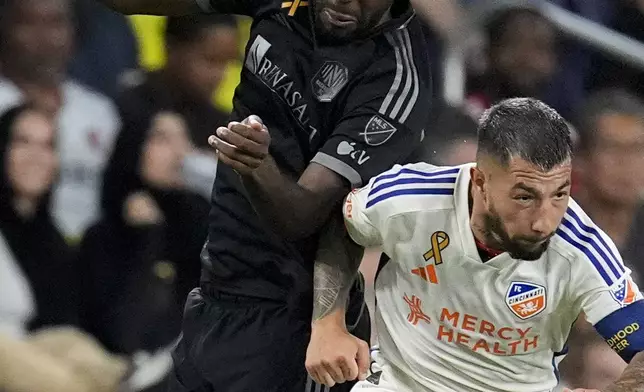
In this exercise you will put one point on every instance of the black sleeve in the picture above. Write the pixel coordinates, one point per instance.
(385, 115)
(250, 8)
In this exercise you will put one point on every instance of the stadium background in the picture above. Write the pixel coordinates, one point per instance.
(126, 268)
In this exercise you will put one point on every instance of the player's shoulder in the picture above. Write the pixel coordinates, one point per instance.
(399, 48)
(587, 247)
(413, 187)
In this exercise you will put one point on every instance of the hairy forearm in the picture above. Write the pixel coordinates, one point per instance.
(632, 380)
(293, 211)
(336, 268)
(152, 7)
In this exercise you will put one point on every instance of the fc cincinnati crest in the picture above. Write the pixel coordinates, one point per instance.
(625, 292)
(329, 80)
(526, 300)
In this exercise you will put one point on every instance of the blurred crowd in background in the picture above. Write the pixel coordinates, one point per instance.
(106, 170)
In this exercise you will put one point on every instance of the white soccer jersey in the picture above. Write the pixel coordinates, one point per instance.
(447, 321)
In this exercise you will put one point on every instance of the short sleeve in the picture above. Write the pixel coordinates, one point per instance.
(250, 8)
(604, 289)
(601, 283)
(360, 227)
(385, 115)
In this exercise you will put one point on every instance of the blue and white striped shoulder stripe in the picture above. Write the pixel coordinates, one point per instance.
(594, 244)
(408, 181)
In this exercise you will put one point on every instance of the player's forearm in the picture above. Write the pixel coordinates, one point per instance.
(632, 380)
(153, 7)
(293, 211)
(336, 268)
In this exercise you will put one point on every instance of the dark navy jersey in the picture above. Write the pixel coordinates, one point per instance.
(356, 109)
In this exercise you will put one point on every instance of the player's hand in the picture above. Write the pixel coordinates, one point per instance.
(242, 145)
(335, 356)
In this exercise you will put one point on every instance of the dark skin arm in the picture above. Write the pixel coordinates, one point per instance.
(153, 7)
(295, 209)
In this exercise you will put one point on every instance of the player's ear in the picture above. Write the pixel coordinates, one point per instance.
(478, 179)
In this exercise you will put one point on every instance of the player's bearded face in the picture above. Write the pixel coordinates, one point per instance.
(339, 21)
(519, 247)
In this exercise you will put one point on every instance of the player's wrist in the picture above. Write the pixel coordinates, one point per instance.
(333, 320)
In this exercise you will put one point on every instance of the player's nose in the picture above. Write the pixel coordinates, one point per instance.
(544, 224)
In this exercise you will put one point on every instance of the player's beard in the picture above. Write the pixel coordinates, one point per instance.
(519, 247)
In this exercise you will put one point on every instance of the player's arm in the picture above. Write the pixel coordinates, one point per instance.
(377, 130)
(334, 355)
(602, 286)
(632, 380)
(295, 208)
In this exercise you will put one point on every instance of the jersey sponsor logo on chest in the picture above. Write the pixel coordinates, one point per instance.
(526, 300)
(481, 335)
(278, 81)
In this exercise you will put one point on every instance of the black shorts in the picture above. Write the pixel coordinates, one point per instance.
(242, 344)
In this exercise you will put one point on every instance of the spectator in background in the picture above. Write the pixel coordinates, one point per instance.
(35, 49)
(199, 48)
(608, 168)
(141, 260)
(28, 167)
(105, 49)
(452, 140)
(17, 305)
(522, 59)
(58, 360)
(610, 72)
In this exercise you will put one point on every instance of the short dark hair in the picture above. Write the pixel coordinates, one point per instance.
(526, 128)
(602, 103)
(188, 28)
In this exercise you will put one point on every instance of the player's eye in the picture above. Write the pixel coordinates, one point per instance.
(561, 195)
(523, 198)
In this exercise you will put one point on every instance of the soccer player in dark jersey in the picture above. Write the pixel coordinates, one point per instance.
(332, 93)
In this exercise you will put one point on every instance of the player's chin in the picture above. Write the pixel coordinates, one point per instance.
(337, 35)
(529, 251)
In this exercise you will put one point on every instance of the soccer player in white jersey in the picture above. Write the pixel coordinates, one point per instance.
(490, 264)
